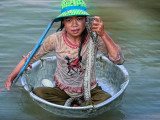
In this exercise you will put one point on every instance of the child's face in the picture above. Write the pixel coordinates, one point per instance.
(74, 25)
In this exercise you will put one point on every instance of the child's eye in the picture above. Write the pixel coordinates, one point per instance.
(68, 20)
(79, 18)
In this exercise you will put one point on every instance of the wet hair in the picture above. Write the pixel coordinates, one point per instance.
(61, 26)
(83, 37)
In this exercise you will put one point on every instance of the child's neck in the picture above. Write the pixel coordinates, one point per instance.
(74, 39)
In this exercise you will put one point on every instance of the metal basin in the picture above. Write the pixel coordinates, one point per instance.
(112, 78)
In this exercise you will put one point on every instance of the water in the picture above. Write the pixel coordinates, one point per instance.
(134, 25)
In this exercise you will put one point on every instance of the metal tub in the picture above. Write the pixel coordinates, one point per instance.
(112, 78)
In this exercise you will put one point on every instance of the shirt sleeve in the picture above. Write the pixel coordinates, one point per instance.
(120, 58)
(46, 47)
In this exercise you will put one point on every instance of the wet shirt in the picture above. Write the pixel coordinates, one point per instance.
(69, 72)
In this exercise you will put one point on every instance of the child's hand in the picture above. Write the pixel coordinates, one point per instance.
(15, 72)
(8, 83)
(98, 26)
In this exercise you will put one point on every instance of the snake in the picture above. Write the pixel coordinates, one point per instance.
(91, 58)
(90, 63)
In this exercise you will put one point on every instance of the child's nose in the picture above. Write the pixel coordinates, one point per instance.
(74, 23)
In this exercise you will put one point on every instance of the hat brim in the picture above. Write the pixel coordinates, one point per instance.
(69, 13)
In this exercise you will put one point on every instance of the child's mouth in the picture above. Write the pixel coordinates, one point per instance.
(75, 31)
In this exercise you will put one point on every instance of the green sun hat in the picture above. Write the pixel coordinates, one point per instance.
(72, 8)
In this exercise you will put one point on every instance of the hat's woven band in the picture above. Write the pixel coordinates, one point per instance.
(73, 8)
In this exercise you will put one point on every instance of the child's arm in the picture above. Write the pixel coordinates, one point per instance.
(114, 51)
(15, 72)
(45, 48)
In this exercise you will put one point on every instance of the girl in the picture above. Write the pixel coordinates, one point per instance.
(70, 45)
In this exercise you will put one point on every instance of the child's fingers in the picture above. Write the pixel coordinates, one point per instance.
(98, 18)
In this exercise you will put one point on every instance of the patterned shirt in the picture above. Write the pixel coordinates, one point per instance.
(69, 72)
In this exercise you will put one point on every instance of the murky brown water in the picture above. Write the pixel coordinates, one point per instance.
(134, 25)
